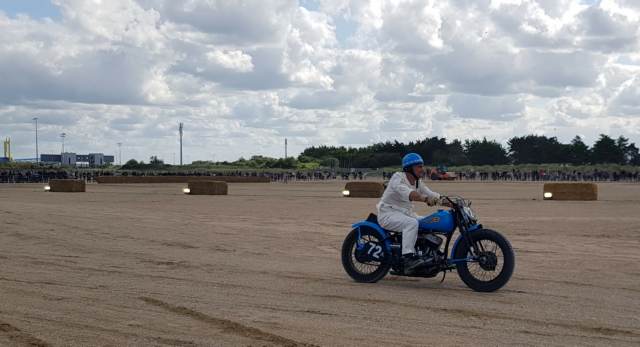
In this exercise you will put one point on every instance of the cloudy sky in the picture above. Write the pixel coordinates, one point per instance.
(243, 75)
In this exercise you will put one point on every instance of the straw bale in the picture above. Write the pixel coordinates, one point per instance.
(208, 188)
(571, 191)
(68, 186)
(365, 189)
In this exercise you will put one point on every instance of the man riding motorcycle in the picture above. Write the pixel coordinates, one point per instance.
(395, 209)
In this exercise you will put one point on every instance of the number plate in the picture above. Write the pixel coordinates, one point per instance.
(369, 251)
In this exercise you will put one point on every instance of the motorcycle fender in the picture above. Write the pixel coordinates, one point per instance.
(457, 242)
(377, 229)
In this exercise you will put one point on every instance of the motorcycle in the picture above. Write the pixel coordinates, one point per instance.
(482, 257)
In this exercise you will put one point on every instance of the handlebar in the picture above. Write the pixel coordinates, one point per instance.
(457, 201)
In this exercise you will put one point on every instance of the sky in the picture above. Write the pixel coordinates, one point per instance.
(243, 75)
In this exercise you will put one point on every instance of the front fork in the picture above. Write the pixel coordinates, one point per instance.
(476, 248)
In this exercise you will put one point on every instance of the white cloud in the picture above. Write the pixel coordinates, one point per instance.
(486, 107)
(626, 100)
(233, 60)
(245, 74)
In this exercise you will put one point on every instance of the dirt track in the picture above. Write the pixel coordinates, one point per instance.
(146, 265)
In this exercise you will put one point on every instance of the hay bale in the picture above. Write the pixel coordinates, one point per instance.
(364, 189)
(208, 188)
(67, 186)
(571, 191)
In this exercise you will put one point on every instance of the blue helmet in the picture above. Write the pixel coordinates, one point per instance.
(410, 160)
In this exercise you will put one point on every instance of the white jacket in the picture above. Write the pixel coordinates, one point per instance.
(396, 196)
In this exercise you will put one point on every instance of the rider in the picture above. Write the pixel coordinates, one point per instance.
(395, 209)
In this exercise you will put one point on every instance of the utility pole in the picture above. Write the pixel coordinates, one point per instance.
(120, 153)
(62, 136)
(285, 148)
(37, 154)
(180, 128)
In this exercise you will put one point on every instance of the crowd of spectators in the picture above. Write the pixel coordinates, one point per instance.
(45, 174)
(559, 175)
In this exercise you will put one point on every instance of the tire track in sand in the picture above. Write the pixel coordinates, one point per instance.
(226, 325)
(18, 336)
(590, 329)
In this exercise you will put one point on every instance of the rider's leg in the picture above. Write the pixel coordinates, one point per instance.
(409, 228)
(407, 225)
(409, 236)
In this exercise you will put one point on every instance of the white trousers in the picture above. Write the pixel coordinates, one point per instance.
(400, 222)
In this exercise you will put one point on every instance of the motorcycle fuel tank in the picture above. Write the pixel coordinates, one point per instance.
(441, 221)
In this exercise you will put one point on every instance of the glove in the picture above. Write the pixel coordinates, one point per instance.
(443, 201)
(432, 201)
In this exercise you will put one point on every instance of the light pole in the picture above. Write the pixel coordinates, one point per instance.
(180, 128)
(120, 152)
(62, 136)
(37, 154)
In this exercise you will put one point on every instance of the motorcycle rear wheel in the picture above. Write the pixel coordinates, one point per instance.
(367, 272)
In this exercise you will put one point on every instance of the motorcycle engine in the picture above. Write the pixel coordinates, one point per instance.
(428, 245)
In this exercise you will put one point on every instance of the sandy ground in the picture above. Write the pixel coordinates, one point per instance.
(146, 265)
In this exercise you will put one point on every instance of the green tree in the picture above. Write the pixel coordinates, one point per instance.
(485, 152)
(132, 164)
(155, 162)
(579, 152)
(534, 149)
(330, 162)
(633, 155)
(629, 151)
(456, 155)
(528, 149)
(606, 150)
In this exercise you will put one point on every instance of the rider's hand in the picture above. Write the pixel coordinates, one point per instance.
(445, 202)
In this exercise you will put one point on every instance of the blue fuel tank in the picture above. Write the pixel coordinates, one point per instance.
(441, 221)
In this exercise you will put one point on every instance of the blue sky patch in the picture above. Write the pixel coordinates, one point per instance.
(33, 8)
(311, 5)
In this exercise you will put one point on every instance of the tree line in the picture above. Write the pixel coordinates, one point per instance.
(255, 162)
(528, 149)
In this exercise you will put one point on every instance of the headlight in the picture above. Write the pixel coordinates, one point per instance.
(346, 193)
(469, 212)
(47, 188)
(186, 190)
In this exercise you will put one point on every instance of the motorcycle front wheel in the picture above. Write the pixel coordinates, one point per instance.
(364, 258)
(493, 267)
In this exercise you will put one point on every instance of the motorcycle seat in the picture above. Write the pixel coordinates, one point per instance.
(373, 218)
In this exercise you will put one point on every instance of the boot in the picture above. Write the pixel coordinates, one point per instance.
(411, 262)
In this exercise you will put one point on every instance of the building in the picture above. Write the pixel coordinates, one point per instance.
(7, 151)
(95, 159)
(72, 159)
(68, 159)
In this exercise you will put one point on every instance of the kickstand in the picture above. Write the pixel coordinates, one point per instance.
(444, 274)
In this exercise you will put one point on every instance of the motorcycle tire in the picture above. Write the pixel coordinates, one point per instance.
(472, 279)
(351, 264)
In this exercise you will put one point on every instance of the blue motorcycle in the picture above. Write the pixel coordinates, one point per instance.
(482, 257)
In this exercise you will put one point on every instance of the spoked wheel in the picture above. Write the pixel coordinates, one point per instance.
(494, 264)
(364, 258)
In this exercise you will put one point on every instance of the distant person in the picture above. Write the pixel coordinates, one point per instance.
(395, 209)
